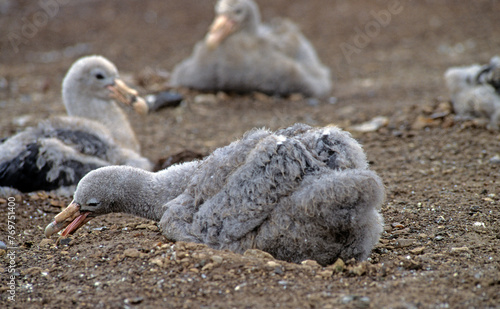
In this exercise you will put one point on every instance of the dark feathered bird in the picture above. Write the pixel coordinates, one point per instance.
(241, 54)
(298, 193)
(61, 150)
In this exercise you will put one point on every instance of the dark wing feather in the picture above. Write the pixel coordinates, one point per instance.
(24, 174)
(84, 142)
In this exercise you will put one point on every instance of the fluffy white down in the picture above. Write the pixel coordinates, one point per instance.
(473, 93)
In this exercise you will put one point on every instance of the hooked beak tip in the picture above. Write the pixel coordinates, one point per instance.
(128, 96)
(63, 219)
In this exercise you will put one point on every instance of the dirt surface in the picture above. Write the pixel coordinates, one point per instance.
(440, 247)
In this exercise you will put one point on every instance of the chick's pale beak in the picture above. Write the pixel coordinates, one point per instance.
(123, 93)
(70, 218)
(220, 29)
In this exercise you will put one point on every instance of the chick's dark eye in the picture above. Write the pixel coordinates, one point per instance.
(92, 202)
(99, 76)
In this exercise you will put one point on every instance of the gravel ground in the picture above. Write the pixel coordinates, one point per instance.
(440, 247)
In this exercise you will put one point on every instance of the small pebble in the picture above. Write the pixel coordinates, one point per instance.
(327, 273)
(65, 241)
(397, 225)
(423, 122)
(296, 97)
(402, 243)
(222, 96)
(205, 99)
(152, 227)
(3, 246)
(239, 286)
(459, 249)
(101, 228)
(397, 133)
(372, 125)
(359, 269)
(347, 299)
(208, 267)
(361, 301)
(33, 270)
(217, 260)
(479, 225)
(272, 264)
(364, 299)
(417, 251)
(157, 261)
(262, 97)
(46, 242)
(410, 264)
(495, 159)
(255, 253)
(310, 263)
(339, 265)
(133, 253)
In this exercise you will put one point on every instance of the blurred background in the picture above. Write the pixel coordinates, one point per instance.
(381, 63)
